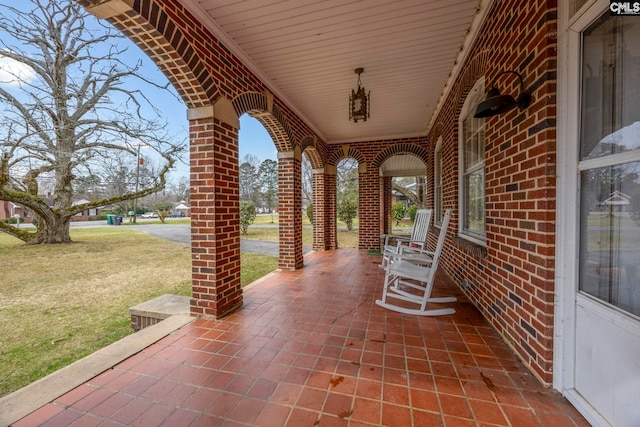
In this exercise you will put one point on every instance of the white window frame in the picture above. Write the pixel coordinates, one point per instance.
(475, 96)
(437, 184)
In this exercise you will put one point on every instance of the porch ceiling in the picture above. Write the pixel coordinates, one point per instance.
(307, 50)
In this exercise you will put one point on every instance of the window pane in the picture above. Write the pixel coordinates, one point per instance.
(610, 87)
(474, 203)
(473, 142)
(472, 191)
(610, 237)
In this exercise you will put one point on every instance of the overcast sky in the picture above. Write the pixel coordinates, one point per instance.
(254, 138)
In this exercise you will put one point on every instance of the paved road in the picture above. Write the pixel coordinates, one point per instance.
(180, 233)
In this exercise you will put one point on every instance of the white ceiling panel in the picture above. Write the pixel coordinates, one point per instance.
(307, 51)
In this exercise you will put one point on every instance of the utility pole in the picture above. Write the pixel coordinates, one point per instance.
(135, 201)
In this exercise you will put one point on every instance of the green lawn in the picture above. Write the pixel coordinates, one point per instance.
(59, 303)
(346, 239)
(269, 219)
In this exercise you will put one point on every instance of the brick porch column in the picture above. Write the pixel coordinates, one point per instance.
(324, 209)
(290, 209)
(385, 201)
(215, 210)
(369, 208)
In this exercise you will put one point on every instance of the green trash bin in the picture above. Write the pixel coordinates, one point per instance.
(110, 219)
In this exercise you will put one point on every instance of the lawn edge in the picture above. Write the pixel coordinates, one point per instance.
(26, 400)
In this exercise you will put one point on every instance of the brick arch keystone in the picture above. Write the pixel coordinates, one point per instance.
(345, 152)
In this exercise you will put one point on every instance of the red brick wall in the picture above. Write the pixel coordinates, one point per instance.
(511, 280)
(513, 285)
(370, 155)
(290, 211)
(324, 206)
(386, 202)
(215, 209)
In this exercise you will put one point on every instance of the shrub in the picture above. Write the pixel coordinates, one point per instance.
(398, 212)
(247, 215)
(310, 212)
(348, 211)
(412, 211)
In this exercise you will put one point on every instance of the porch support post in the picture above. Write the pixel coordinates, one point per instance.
(369, 208)
(215, 210)
(324, 209)
(386, 224)
(290, 209)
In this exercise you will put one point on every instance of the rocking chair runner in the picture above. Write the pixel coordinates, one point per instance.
(408, 281)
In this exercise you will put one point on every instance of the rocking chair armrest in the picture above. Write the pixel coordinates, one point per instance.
(417, 256)
(399, 256)
(409, 244)
(417, 250)
(398, 237)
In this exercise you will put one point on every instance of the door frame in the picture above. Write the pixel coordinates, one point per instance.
(568, 179)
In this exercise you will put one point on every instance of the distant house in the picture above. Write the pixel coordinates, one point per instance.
(87, 214)
(10, 210)
(182, 206)
(617, 202)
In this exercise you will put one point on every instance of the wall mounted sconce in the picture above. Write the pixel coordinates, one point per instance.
(498, 104)
(359, 101)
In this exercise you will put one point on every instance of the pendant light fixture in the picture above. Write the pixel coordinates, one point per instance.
(359, 101)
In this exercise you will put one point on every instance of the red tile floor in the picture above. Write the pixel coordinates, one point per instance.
(311, 348)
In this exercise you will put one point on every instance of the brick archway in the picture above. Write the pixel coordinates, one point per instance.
(216, 88)
(367, 206)
(402, 148)
(324, 197)
(343, 153)
(148, 25)
(260, 106)
(386, 182)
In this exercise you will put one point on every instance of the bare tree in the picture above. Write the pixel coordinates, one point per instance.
(250, 179)
(307, 180)
(347, 179)
(180, 189)
(416, 194)
(68, 106)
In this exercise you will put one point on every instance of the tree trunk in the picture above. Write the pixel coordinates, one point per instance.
(51, 229)
(57, 231)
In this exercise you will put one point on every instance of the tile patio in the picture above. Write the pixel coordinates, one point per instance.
(311, 348)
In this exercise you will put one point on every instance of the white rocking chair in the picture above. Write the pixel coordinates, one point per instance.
(417, 239)
(419, 232)
(410, 277)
